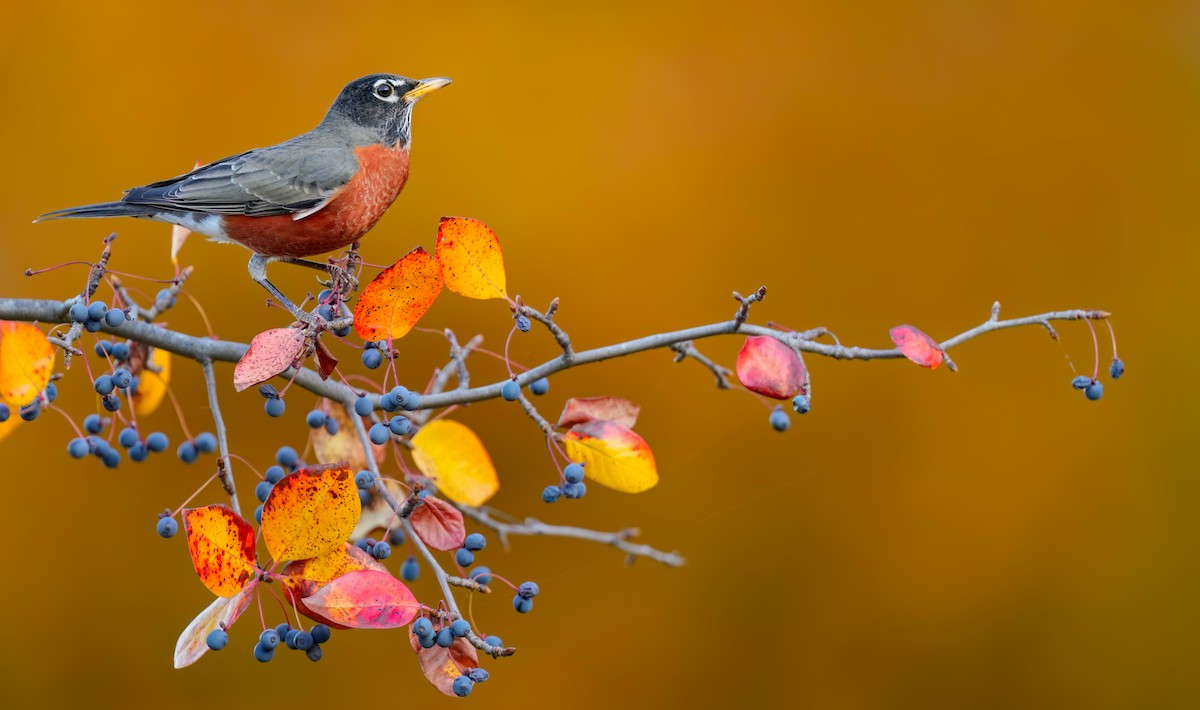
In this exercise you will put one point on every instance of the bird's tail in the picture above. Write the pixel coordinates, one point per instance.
(102, 209)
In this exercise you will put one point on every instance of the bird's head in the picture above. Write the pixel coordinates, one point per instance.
(380, 106)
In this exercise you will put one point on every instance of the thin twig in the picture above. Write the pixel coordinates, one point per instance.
(224, 468)
(686, 349)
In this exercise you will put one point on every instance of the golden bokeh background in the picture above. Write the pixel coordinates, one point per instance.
(921, 539)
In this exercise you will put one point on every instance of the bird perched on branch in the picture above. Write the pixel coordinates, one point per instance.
(313, 194)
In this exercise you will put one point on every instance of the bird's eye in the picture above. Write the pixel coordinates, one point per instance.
(385, 90)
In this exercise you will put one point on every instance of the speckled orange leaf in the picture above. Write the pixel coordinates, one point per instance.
(469, 253)
(917, 346)
(224, 610)
(271, 352)
(310, 512)
(441, 665)
(365, 599)
(222, 548)
(770, 368)
(615, 409)
(439, 524)
(302, 578)
(26, 361)
(453, 456)
(614, 455)
(152, 386)
(397, 298)
(344, 445)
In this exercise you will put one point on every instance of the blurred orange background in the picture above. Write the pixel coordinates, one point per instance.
(921, 539)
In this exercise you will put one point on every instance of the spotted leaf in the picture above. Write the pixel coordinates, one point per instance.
(397, 298)
(310, 512)
(221, 543)
(270, 353)
(469, 252)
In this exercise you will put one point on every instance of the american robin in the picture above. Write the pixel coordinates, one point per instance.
(315, 193)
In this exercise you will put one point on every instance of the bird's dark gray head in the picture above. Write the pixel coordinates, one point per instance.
(382, 105)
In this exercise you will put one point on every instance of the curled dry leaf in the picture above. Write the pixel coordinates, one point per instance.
(472, 263)
(221, 543)
(450, 454)
(770, 368)
(344, 445)
(270, 353)
(917, 346)
(310, 512)
(397, 298)
(441, 665)
(615, 456)
(439, 524)
(377, 514)
(578, 410)
(192, 643)
(326, 362)
(365, 599)
(26, 360)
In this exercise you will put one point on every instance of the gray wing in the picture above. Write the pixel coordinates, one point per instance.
(285, 179)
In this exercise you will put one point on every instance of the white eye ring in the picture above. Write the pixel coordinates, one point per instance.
(386, 91)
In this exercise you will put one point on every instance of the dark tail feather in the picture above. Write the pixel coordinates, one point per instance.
(103, 209)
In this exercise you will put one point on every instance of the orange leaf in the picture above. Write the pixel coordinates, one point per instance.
(441, 665)
(917, 346)
(152, 386)
(192, 643)
(770, 368)
(310, 512)
(614, 455)
(222, 547)
(26, 359)
(397, 298)
(469, 253)
(439, 524)
(581, 409)
(365, 599)
(271, 352)
(344, 445)
(302, 578)
(453, 456)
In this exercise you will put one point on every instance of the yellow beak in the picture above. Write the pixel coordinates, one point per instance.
(425, 86)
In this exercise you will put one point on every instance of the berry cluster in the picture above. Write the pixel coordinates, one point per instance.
(573, 486)
(129, 439)
(523, 601)
(465, 557)
(96, 315)
(204, 443)
(1092, 387)
(428, 637)
(295, 639)
(317, 419)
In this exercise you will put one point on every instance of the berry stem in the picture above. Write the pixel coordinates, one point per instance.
(1095, 351)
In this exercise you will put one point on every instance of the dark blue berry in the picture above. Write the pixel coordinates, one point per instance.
(427, 641)
(494, 640)
(387, 403)
(93, 326)
(540, 387)
(128, 437)
(77, 448)
(274, 407)
(138, 452)
(528, 590)
(779, 420)
(523, 323)
(1117, 368)
(364, 480)
(97, 309)
(464, 557)
(206, 443)
(363, 406)
(400, 425)
(262, 490)
(104, 384)
(320, 633)
(460, 628)
(274, 474)
(801, 404)
(51, 392)
(573, 473)
(396, 536)
(133, 386)
(114, 317)
(379, 433)
(157, 442)
(331, 426)
(522, 605)
(120, 351)
(1081, 382)
(381, 550)
(110, 402)
(287, 457)
(372, 358)
(1094, 391)
(110, 457)
(445, 638)
(217, 639)
(510, 391)
(269, 639)
(289, 639)
(314, 653)
(282, 630)
(93, 424)
(481, 574)
(315, 419)
(262, 654)
(186, 452)
(423, 627)
(122, 378)
(103, 348)
(167, 527)
(31, 411)
(302, 641)
(410, 570)
(551, 493)
(407, 400)
(324, 296)
(78, 313)
(364, 544)
(258, 515)
(574, 490)
(478, 675)
(462, 686)
(364, 497)
(5, 412)
(475, 542)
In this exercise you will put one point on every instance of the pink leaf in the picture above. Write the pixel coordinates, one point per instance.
(439, 524)
(583, 409)
(271, 352)
(918, 347)
(770, 368)
(442, 665)
(365, 599)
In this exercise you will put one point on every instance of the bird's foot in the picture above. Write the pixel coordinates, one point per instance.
(342, 281)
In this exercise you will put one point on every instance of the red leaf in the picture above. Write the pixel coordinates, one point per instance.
(442, 665)
(271, 352)
(302, 578)
(397, 298)
(326, 362)
(582, 409)
(365, 599)
(918, 347)
(770, 368)
(439, 524)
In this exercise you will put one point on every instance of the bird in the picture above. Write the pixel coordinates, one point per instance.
(315, 193)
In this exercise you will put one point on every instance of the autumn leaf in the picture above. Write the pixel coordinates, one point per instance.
(578, 410)
(26, 359)
(377, 514)
(365, 599)
(770, 368)
(614, 455)
(397, 298)
(439, 524)
(469, 253)
(152, 386)
(222, 547)
(302, 578)
(344, 445)
(453, 456)
(310, 512)
(270, 353)
(192, 643)
(441, 665)
(917, 346)
(326, 362)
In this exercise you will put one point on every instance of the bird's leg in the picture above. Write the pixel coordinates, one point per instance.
(341, 279)
(258, 272)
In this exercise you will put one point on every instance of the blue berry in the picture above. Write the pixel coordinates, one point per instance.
(110, 457)
(274, 407)
(217, 639)
(323, 297)
(1117, 368)
(396, 536)
(407, 400)
(331, 426)
(262, 654)
(186, 452)
(77, 448)
(110, 402)
(801, 404)
(1094, 391)
(523, 323)
(364, 497)
(104, 384)
(427, 641)
(364, 544)
(314, 653)
(372, 358)
(494, 640)
(262, 490)
(128, 437)
(5, 412)
(478, 675)
(93, 326)
(51, 392)
(315, 419)
(302, 641)
(167, 527)
(103, 348)
(97, 309)
(388, 403)
(114, 317)
(481, 574)
(258, 515)
(93, 424)
(320, 633)
(460, 628)
(779, 420)
(510, 391)
(30, 412)
(157, 442)
(282, 630)
(78, 313)
(522, 605)
(269, 639)
(364, 480)
(325, 311)
(379, 434)
(164, 299)
(133, 386)
(138, 452)
(400, 425)
(410, 569)
(423, 627)
(287, 457)
(363, 406)
(464, 557)
(540, 387)
(573, 473)
(445, 638)
(381, 550)
(120, 351)
(462, 686)
(274, 474)
(289, 639)
(122, 378)
(528, 590)
(206, 443)
(574, 490)
(475, 542)
(1081, 382)
(551, 493)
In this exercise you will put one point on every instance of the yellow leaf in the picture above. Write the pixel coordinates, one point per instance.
(222, 547)
(152, 386)
(472, 264)
(26, 359)
(613, 455)
(454, 457)
(310, 512)
(344, 445)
